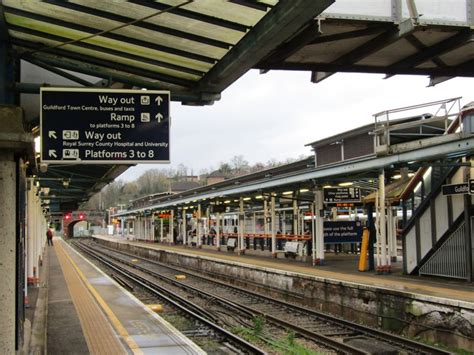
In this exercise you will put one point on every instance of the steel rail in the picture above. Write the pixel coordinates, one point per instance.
(375, 333)
(182, 304)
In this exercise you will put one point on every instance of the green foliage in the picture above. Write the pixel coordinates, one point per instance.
(258, 325)
(159, 180)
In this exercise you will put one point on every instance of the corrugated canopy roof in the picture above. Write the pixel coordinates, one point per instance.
(193, 48)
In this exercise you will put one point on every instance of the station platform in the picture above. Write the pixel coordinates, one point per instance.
(338, 267)
(88, 312)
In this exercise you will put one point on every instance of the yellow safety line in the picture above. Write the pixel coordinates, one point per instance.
(110, 314)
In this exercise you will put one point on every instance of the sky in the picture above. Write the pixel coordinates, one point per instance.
(273, 115)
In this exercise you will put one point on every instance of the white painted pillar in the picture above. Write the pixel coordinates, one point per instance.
(198, 226)
(40, 241)
(241, 226)
(161, 230)
(295, 217)
(254, 223)
(392, 225)
(208, 225)
(171, 224)
(7, 251)
(266, 223)
(383, 228)
(272, 218)
(377, 229)
(218, 231)
(319, 208)
(30, 231)
(313, 234)
(183, 227)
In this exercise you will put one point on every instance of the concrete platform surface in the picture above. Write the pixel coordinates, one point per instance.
(88, 312)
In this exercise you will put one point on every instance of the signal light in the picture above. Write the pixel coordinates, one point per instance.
(81, 216)
(67, 216)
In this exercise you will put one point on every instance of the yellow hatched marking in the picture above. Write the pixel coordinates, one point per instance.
(91, 318)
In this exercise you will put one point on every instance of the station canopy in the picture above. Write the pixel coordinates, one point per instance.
(196, 49)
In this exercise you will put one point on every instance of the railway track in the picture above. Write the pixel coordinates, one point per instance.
(331, 333)
(203, 318)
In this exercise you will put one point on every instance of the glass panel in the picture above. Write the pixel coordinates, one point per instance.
(109, 57)
(169, 20)
(135, 32)
(447, 10)
(107, 43)
(380, 8)
(222, 9)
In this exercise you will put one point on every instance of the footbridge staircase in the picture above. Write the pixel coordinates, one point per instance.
(437, 235)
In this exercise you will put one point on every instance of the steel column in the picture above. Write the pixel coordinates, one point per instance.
(171, 226)
(183, 227)
(240, 243)
(272, 218)
(198, 226)
(218, 231)
(319, 226)
(295, 217)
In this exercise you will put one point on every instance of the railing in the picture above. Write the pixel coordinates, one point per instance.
(450, 259)
(394, 122)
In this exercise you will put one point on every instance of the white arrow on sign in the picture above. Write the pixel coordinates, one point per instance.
(159, 100)
(52, 134)
(159, 117)
(52, 153)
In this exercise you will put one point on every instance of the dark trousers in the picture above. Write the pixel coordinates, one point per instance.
(50, 241)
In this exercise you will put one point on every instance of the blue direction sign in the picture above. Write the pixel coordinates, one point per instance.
(105, 126)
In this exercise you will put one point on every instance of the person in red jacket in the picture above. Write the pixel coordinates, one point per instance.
(49, 236)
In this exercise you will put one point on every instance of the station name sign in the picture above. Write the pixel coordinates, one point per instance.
(334, 195)
(104, 126)
(459, 189)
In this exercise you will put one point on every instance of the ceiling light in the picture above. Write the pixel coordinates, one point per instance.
(247, 198)
(304, 190)
(287, 193)
(411, 174)
(37, 142)
(346, 184)
(259, 197)
(327, 186)
(397, 176)
(227, 201)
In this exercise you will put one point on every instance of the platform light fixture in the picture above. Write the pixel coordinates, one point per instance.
(304, 190)
(287, 193)
(259, 197)
(396, 176)
(227, 201)
(327, 186)
(344, 184)
(37, 142)
(247, 198)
